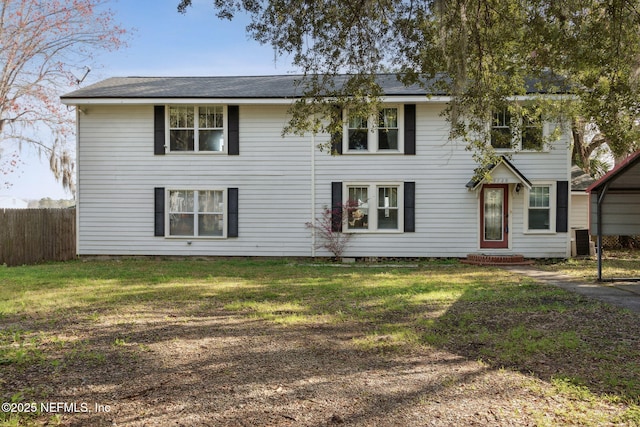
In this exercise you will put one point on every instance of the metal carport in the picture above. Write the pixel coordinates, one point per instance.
(615, 204)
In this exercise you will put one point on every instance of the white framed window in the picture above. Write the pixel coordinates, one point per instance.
(388, 208)
(516, 133)
(540, 208)
(532, 133)
(374, 207)
(358, 212)
(381, 133)
(358, 133)
(193, 128)
(501, 134)
(196, 213)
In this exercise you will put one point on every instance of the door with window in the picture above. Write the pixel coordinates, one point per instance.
(494, 217)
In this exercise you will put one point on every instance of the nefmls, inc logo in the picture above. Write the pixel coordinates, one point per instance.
(64, 407)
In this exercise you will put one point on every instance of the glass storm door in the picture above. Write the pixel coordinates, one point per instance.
(494, 232)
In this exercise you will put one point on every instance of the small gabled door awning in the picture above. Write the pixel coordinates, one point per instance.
(501, 172)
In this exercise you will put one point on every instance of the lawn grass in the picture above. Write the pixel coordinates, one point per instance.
(616, 264)
(584, 350)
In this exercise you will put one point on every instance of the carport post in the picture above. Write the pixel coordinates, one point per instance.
(599, 222)
(599, 251)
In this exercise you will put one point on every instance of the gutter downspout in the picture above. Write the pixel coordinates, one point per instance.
(599, 222)
(569, 207)
(76, 196)
(313, 193)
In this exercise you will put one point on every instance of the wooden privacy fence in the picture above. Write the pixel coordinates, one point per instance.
(29, 236)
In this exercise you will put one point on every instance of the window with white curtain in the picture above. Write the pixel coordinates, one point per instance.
(197, 213)
(195, 128)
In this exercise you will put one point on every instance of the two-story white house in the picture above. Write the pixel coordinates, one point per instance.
(199, 166)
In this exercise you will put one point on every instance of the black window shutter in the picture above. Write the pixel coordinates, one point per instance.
(336, 137)
(562, 206)
(336, 206)
(233, 112)
(159, 211)
(409, 207)
(410, 129)
(158, 130)
(232, 212)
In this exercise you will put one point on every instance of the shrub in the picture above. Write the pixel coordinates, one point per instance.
(328, 228)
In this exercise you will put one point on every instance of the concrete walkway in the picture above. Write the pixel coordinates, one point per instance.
(622, 294)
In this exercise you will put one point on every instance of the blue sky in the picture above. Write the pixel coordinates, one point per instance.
(162, 43)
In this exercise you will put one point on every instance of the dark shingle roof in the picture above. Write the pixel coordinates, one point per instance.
(284, 86)
(242, 87)
(580, 180)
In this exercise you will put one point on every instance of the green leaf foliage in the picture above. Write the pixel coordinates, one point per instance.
(482, 53)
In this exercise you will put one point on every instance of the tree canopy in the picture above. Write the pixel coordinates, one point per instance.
(42, 44)
(483, 53)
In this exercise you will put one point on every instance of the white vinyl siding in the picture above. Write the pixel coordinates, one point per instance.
(579, 210)
(117, 174)
(446, 213)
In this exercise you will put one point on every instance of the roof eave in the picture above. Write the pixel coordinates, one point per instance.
(170, 100)
(613, 173)
(69, 100)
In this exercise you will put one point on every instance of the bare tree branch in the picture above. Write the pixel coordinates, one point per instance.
(40, 43)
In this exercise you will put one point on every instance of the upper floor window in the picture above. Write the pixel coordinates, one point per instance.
(388, 129)
(501, 135)
(381, 133)
(508, 132)
(532, 133)
(197, 128)
(358, 133)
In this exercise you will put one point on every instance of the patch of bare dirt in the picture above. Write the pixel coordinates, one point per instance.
(162, 368)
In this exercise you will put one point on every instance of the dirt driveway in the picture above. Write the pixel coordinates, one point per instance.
(222, 369)
(270, 343)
